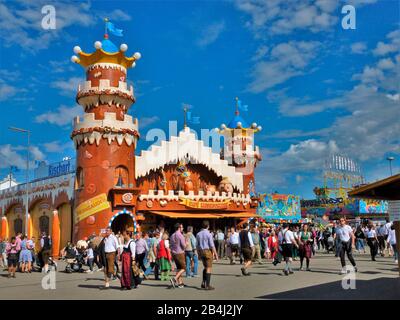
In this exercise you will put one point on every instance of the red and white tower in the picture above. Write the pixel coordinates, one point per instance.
(105, 139)
(239, 149)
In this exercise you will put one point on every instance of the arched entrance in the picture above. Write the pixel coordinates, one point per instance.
(16, 219)
(42, 219)
(122, 221)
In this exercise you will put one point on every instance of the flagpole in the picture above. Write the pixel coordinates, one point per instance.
(184, 117)
(105, 28)
(237, 105)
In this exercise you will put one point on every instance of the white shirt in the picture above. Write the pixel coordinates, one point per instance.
(220, 236)
(344, 233)
(166, 244)
(288, 235)
(234, 239)
(132, 247)
(111, 244)
(388, 228)
(90, 253)
(371, 233)
(392, 237)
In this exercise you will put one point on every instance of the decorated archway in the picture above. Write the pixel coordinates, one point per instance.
(123, 220)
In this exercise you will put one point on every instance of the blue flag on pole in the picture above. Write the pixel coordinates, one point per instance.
(116, 32)
(191, 119)
(242, 107)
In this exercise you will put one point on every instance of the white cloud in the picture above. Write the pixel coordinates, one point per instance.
(10, 157)
(16, 156)
(386, 64)
(359, 48)
(307, 156)
(147, 121)
(210, 34)
(393, 45)
(6, 91)
(20, 22)
(57, 146)
(368, 132)
(284, 17)
(67, 86)
(285, 61)
(394, 97)
(62, 116)
(118, 15)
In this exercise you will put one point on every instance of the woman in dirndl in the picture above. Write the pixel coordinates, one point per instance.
(164, 257)
(305, 251)
(128, 279)
(25, 256)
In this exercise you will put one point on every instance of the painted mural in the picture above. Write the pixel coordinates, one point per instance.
(330, 207)
(373, 207)
(342, 206)
(279, 207)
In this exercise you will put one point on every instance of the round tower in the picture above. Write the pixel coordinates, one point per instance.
(105, 139)
(239, 149)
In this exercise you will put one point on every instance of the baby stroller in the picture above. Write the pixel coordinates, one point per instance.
(74, 264)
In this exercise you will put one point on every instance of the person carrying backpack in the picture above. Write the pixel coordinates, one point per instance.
(45, 244)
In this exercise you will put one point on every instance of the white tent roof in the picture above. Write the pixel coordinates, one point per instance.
(186, 146)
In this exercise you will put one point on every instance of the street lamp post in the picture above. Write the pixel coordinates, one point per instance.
(390, 159)
(26, 176)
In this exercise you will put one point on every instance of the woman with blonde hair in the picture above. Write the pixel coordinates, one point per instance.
(164, 257)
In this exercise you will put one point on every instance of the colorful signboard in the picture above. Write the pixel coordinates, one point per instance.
(279, 207)
(346, 207)
(209, 205)
(91, 206)
(373, 207)
(338, 206)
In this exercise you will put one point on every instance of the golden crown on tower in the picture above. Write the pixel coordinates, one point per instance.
(106, 52)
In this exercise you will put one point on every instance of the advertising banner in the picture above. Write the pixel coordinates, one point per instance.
(91, 206)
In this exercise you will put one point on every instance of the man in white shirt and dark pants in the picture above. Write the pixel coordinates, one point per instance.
(286, 241)
(234, 244)
(344, 234)
(111, 249)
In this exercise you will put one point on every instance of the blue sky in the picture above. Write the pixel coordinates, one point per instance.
(315, 88)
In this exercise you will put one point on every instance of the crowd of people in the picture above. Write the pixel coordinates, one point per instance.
(171, 256)
(22, 254)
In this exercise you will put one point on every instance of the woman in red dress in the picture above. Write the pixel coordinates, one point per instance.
(273, 244)
(127, 261)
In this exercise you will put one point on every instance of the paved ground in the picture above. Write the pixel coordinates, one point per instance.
(375, 280)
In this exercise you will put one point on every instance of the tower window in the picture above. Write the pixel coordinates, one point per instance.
(79, 182)
(121, 177)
